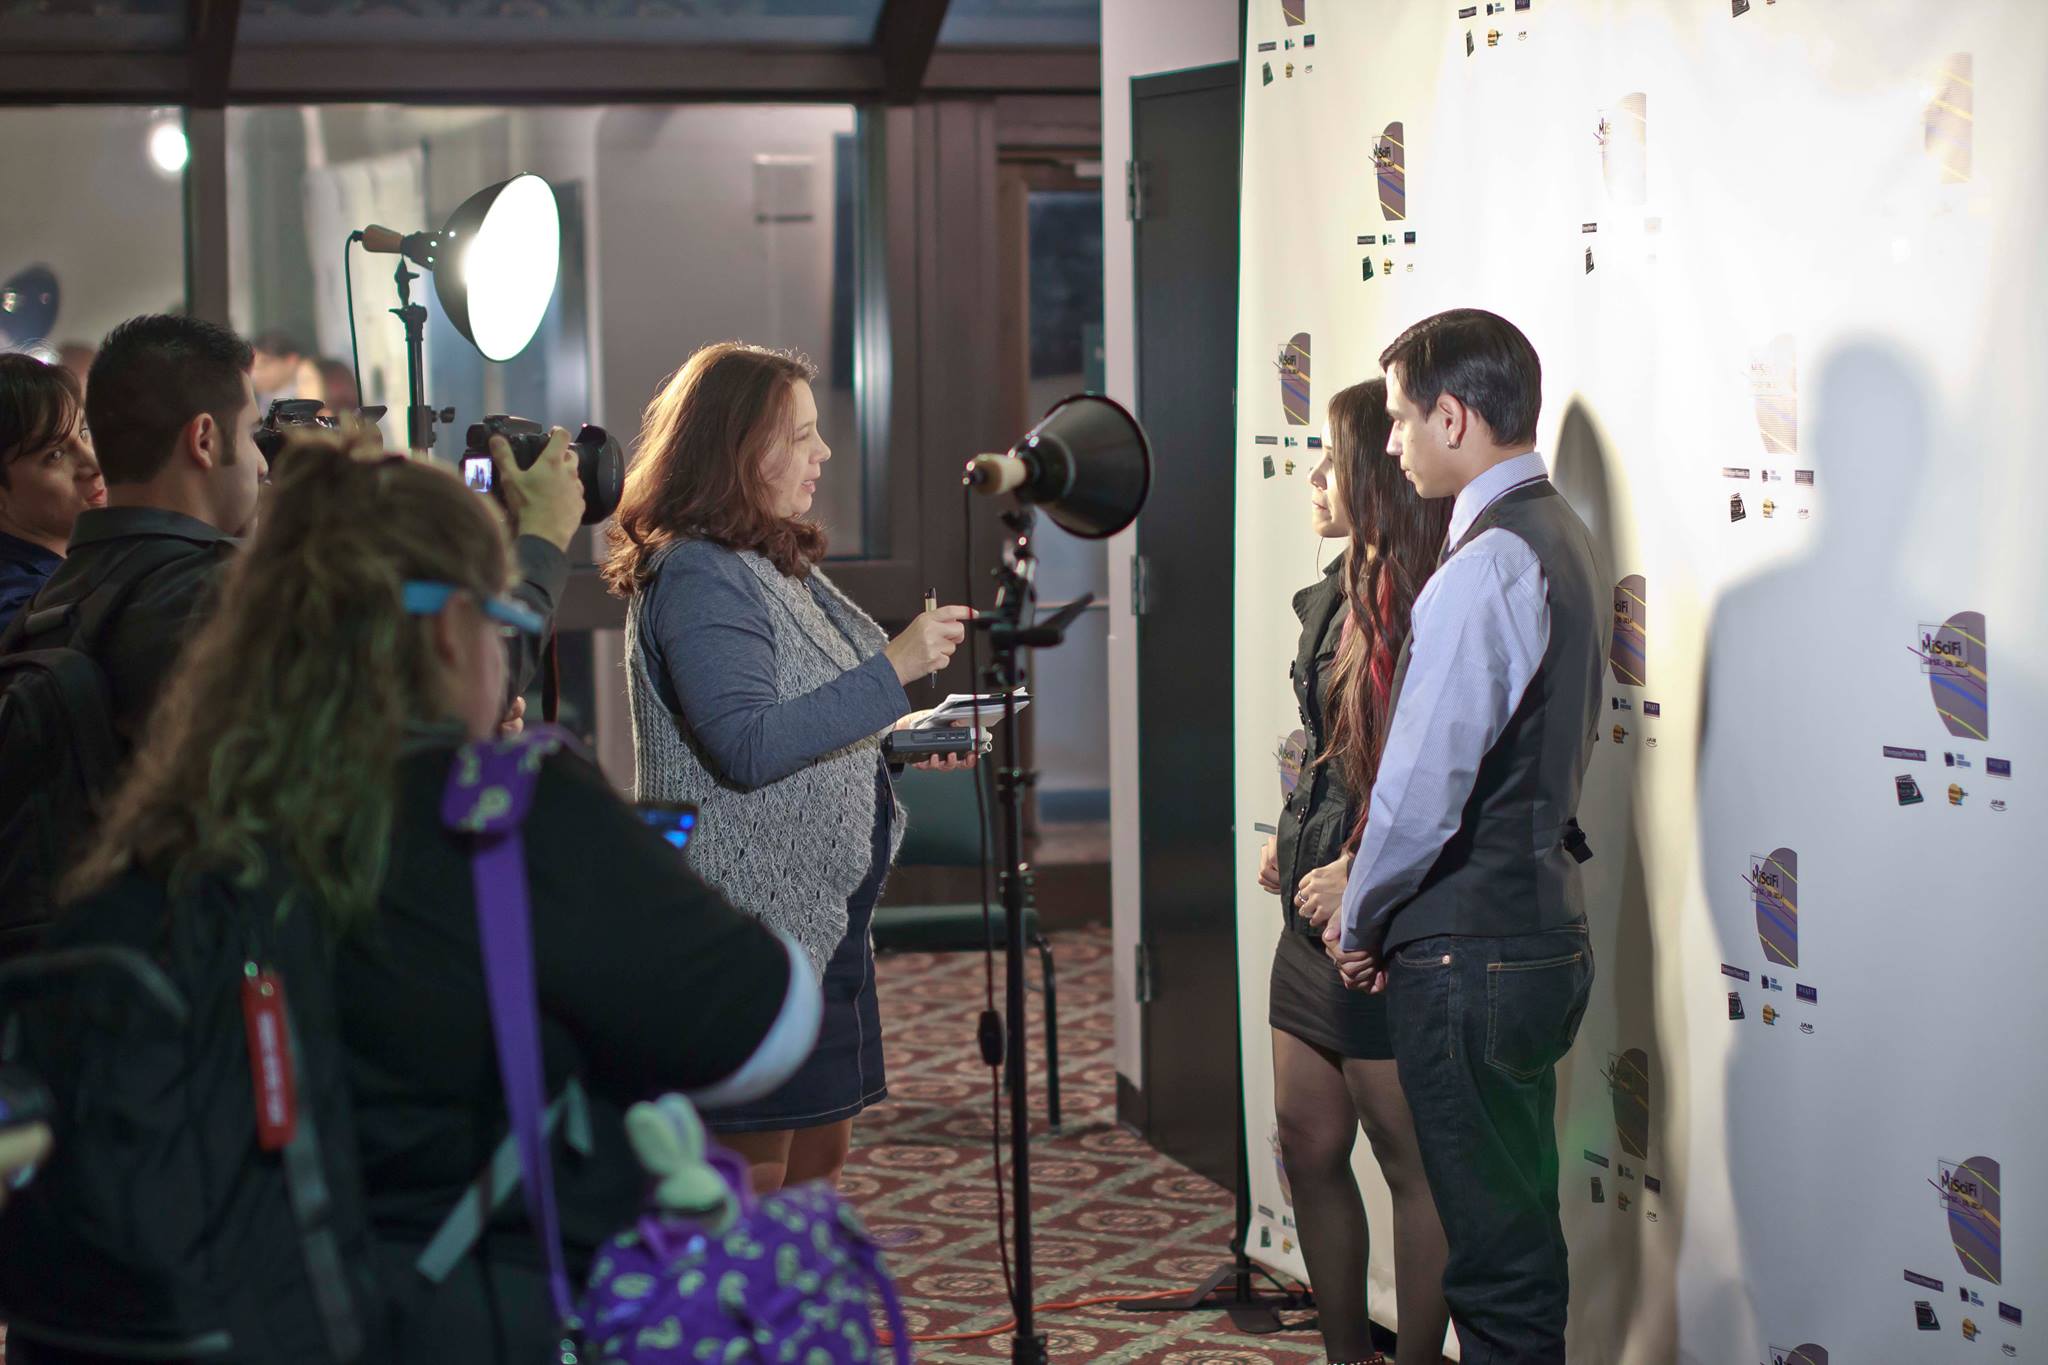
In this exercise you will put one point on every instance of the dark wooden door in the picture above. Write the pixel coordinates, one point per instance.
(1184, 134)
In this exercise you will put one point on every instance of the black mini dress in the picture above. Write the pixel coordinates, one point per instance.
(1307, 998)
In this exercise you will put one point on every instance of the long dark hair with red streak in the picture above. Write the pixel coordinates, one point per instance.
(1396, 537)
(700, 467)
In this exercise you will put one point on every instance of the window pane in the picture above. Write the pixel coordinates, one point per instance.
(811, 23)
(1022, 23)
(681, 225)
(94, 230)
(1066, 358)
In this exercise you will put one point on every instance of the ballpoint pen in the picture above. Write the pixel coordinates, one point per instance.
(931, 603)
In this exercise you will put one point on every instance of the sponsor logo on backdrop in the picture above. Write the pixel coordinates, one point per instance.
(1292, 754)
(1774, 892)
(1970, 1196)
(1950, 119)
(1954, 658)
(1293, 364)
(1807, 1354)
(1629, 653)
(1774, 392)
(1628, 1084)
(1390, 162)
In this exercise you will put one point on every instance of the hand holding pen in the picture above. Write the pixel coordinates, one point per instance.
(927, 644)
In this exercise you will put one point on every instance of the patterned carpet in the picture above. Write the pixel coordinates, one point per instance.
(1111, 1216)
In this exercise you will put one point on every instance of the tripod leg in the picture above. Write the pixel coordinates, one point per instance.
(1052, 1035)
(1190, 1300)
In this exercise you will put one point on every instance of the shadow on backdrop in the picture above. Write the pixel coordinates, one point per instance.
(1815, 870)
(1628, 1309)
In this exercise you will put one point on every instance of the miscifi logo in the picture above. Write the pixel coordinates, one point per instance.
(1808, 1354)
(1956, 662)
(1970, 1197)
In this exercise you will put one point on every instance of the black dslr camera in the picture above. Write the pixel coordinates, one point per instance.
(600, 463)
(299, 412)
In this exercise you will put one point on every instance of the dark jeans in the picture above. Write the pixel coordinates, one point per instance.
(1479, 1025)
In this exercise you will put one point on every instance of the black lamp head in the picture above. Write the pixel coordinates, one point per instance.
(1093, 465)
(28, 306)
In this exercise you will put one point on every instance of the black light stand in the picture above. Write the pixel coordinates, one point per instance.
(1230, 1284)
(1088, 464)
(1009, 632)
(420, 417)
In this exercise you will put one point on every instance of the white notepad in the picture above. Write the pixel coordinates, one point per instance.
(960, 709)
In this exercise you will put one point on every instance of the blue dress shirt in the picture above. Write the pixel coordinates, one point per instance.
(1477, 635)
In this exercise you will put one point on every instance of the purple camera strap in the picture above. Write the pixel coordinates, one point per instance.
(489, 792)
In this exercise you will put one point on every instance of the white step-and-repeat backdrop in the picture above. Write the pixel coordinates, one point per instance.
(1786, 264)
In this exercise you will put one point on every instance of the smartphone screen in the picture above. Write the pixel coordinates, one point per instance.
(479, 473)
(675, 821)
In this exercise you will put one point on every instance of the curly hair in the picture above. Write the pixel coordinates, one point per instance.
(281, 729)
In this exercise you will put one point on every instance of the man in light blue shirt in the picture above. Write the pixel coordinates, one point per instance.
(1464, 901)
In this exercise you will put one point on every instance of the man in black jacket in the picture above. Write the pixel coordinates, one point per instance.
(173, 418)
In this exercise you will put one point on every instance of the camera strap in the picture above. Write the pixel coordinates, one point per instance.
(489, 791)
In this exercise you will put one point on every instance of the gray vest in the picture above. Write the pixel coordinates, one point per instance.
(791, 853)
(1512, 867)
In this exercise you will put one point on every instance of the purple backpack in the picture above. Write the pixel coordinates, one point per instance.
(708, 1273)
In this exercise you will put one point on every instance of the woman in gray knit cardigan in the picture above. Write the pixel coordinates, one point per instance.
(761, 693)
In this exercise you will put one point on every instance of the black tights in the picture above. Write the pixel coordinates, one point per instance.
(1321, 1099)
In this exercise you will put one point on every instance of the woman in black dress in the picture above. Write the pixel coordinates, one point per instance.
(1333, 1060)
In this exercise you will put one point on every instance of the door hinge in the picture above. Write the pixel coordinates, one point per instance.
(1134, 191)
(1140, 586)
(1146, 980)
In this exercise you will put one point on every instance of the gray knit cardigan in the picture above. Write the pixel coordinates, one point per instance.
(744, 843)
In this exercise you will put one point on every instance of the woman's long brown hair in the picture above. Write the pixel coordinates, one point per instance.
(280, 729)
(1396, 537)
(699, 469)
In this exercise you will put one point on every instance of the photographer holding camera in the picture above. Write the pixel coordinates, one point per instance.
(369, 610)
(175, 427)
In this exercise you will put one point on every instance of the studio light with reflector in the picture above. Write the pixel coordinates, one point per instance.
(494, 264)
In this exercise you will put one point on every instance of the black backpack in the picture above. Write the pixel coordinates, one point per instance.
(59, 752)
(162, 1226)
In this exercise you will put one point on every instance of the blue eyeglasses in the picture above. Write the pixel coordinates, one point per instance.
(425, 599)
